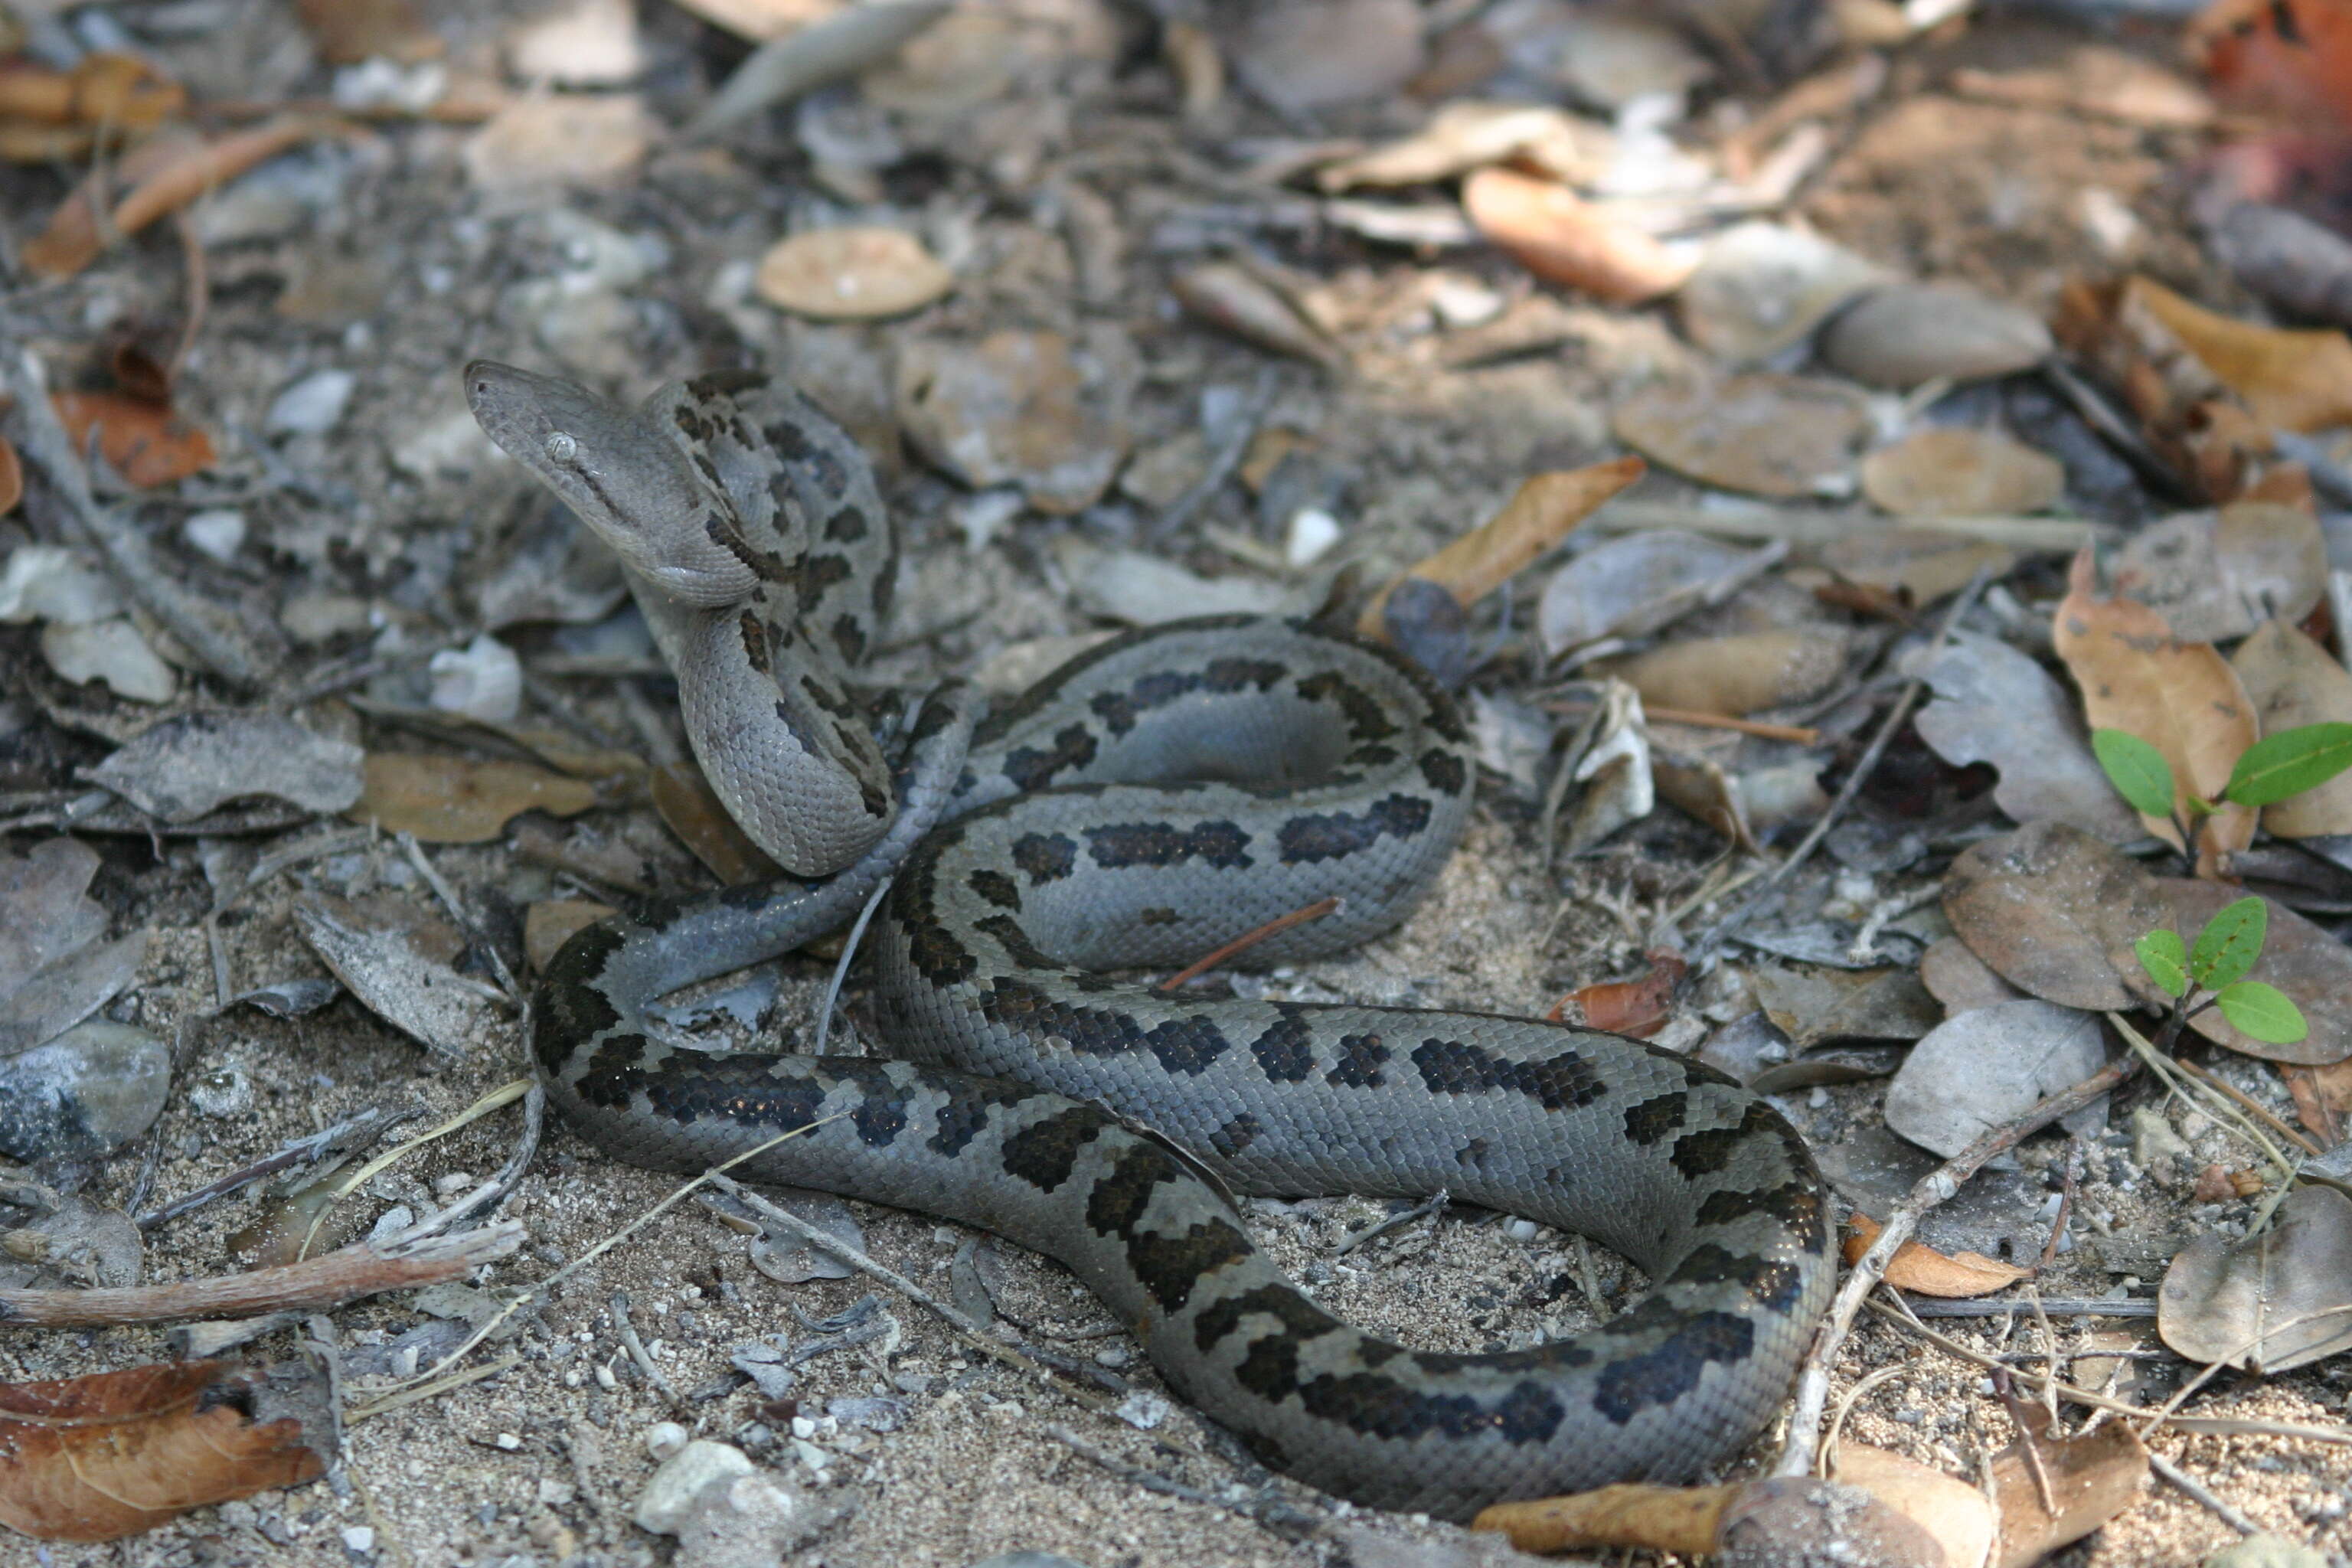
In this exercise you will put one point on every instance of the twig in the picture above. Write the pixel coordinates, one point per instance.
(636, 1347)
(1280, 923)
(1222, 463)
(1021, 1359)
(1436, 1204)
(1939, 1185)
(2064, 1307)
(314, 1284)
(1912, 690)
(2058, 1221)
(414, 1391)
(494, 1191)
(841, 965)
(466, 923)
(44, 443)
(504, 1095)
(1799, 734)
(2196, 1489)
(354, 1131)
(2215, 1081)
(200, 290)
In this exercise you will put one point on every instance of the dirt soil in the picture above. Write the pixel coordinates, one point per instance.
(400, 269)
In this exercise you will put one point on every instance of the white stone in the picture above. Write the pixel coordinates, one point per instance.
(359, 1538)
(112, 651)
(312, 405)
(481, 681)
(218, 532)
(1312, 533)
(669, 1498)
(45, 583)
(663, 1438)
(750, 1521)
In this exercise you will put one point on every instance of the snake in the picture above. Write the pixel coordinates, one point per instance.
(1151, 799)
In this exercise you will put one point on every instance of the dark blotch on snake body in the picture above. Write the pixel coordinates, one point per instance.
(966, 1111)
(1166, 1266)
(1671, 1369)
(1313, 836)
(1697, 1155)
(830, 698)
(1654, 1118)
(1773, 1284)
(1301, 1319)
(1044, 856)
(1472, 1156)
(1443, 771)
(849, 638)
(817, 575)
(1286, 1051)
(1157, 915)
(1187, 1045)
(995, 887)
(847, 525)
(1557, 1083)
(698, 427)
(1119, 846)
(1793, 1205)
(1368, 719)
(1043, 1153)
(1031, 769)
(1236, 1135)
(1384, 1408)
(880, 1118)
(1023, 952)
(785, 437)
(755, 641)
(612, 1074)
(1361, 1056)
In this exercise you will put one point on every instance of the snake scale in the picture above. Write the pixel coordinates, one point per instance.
(1155, 797)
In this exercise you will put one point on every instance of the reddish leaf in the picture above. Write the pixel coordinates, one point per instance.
(1636, 1007)
(2290, 59)
(12, 479)
(114, 1453)
(144, 442)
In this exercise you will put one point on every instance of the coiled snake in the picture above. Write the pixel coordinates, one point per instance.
(1153, 798)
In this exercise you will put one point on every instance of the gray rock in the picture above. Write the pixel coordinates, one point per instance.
(668, 1500)
(750, 1521)
(2267, 1550)
(1910, 333)
(86, 1093)
(312, 405)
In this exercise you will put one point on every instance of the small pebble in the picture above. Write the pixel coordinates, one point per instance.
(450, 1182)
(359, 1539)
(508, 1441)
(218, 532)
(803, 1428)
(1312, 533)
(225, 1091)
(312, 405)
(663, 1438)
(1521, 1230)
(88, 1092)
(669, 1496)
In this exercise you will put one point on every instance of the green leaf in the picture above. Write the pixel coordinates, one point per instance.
(2137, 769)
(2290, 762)
(2164, 958)
(2229, 943)
(2263, 1012)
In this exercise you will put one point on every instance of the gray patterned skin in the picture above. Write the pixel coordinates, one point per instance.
(1143, 804)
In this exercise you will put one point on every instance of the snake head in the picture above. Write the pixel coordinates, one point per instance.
(629, 481)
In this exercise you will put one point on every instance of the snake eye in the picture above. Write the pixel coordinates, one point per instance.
(559, 447)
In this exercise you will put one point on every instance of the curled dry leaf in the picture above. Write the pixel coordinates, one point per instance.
(2310, 967)
(1951, 470)
(1465, 135)
(1228, 295)
(1990, 1066)
(2182, 697)
(2063, 1489)
(398, 963)
(1772, 1523)
(2054, 912)
(1769, 435)
(455, 800)
(1924, 1271)
(1560, 238)
(1739, 674)
(2297, 379)
(695, 813)
(2215, 575)
(144, 442)
(1995, 704)
(115, 1453)
(1636, 1007)
(1957, 1515)
(1538, 515)
(162, 175)
(852, 274)
(2292, 681)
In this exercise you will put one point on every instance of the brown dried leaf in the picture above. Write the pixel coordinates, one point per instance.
(1961, 981)
(1769, 435)
(2067, 1488)
(1739, 674)
(1636, 1007)
(1953, 470)
(2309, 966)
(2054, 912)
(852, 274)
(1562, 238)
(2289, 1288)
(1815, 1006)
(455, 800)
(2323, 1098)
(1994, 703)
(144, 442)
(115, 1453)
(1538, 515)
(2181, 698)
(692, 808)
(1231, 297)
(1922, 563)
(114, 92)
(12, 477)
(1916, 1268)
(350, 31)
(1957, 1515)
(2291, 680)
(1789, 1520)
(2295, 380)
(1664, 1519)
(165, 174)
(548, 924)
(2201, 429)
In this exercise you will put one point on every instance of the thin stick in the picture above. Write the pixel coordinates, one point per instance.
(1274, 927)
(314, 1284)
(1798, 1455)
(1802, 735)
(1222, 463)
(636, 1346)
(367, 1124)
(506, 1094)
(207, 633)
(1436, 1204)
(2214, 1081)
(2064, 1307)
(465, 919)
(410, 1395)
(2196, 1489)
(494, 1191)
(841, 965)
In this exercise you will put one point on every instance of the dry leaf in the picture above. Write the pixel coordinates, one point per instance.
(2307, 964)
(2214, 576)
(2323, 1098)
(1815, 1006)
(1957, 1515)
(1778, 435)
(1737, 675)
(1560, 238)
(2291, 680)
(2067, 1488)
(1954, 471)
(2054, 912)
(1785, 1520)
(1990, 1065)
(350, 31)
(1923, 1269)
(398, 963)
(1462, 136)
(2203, 430)
(2294, 378)
(548, 924)
(2183, 698)
(540, 146)
(144, 442)
(1636, 1007)
(693, 810)
(455, 800)
(1538, 515)
(1639, 583)
(2290, 60)
(852, 274)
(12, 477)
(1229, 296)
(115, 1453)
(116, 94)
(165, 174)
(1960, 980)
(1995, 704)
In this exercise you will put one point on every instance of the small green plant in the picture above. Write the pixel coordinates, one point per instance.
(2213, 974)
